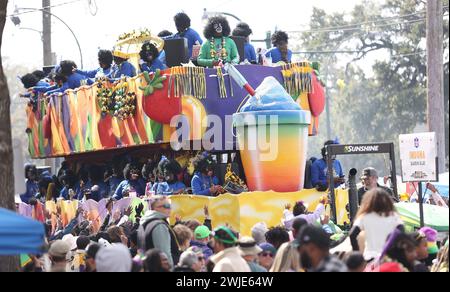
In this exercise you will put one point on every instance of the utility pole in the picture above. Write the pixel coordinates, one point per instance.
(47, 33)
(435, 73)
(49, 59)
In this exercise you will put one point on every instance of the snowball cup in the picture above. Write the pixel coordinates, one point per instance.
(272, 132)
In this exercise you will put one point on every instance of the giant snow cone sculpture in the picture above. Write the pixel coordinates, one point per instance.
(272, 133)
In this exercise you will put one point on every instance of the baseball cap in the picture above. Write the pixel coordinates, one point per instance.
(227, 236)
(201, 232)
(313, 235)
(369, 172)
(268, 247)
(59, 248)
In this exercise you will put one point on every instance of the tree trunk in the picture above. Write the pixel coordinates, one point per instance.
(7, 264)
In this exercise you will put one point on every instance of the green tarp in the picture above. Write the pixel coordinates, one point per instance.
(435, 217)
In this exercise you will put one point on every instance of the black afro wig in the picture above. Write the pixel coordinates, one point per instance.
(129, 169)
(67, 67)
(209, 31)
(165, 33)
(169, 166)
(182, 21)
(105, 57)
(39, 74)
(148, 49)
(148, 169)
(279, 37)
(29, 80)
(242, 30)
(203, 162)
(32, 168)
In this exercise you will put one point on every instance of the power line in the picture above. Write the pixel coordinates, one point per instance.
(47, 7)
(351, 27)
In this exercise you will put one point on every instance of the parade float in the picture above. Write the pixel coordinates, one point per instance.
(97, 122)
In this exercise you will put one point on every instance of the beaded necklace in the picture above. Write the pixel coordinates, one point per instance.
(222, 50)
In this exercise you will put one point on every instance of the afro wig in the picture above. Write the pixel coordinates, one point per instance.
(169, 166)
(148, 170)
(203, 162)
(242, 30)
(39, 74)
(29, 80)
(210, 32)
(148, 49)
(67, 67)
(105, 57)
(129, 169)
(279, 37)
(165, 33)
(182, 21)
(32, 168)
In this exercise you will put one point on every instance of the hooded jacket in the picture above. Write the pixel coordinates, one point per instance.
(155, 232)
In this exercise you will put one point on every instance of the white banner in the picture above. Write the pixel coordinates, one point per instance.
(418, 157)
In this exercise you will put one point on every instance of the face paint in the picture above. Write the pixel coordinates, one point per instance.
(218, 28)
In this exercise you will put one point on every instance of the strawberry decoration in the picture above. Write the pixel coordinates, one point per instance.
(157, 104)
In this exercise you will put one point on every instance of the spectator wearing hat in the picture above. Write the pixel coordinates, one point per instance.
(259, 232)
(58, 252)
(227, 258)
(314, 248)
(370, 181)
(201, 239)
(200, 256)
(155, 231)
(422, 252)
(266, 256)
(78, 263)
(113, 259)
(433, 250)
(250, 251)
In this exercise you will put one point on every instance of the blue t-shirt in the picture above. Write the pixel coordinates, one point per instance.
(95, 73)
(125, 69)
(166, 189)
(319, 172)
(162, 57)
(275, 54)
(157, 64)
(201, 184)
(73, 82)
(250, 53)
(32, 188)
(137, 185)
(114, 182)
(192, 36)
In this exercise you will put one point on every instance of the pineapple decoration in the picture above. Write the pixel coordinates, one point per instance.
(104, 97)
(124, 101)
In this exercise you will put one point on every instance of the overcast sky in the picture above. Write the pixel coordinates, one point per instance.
(114, 17)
